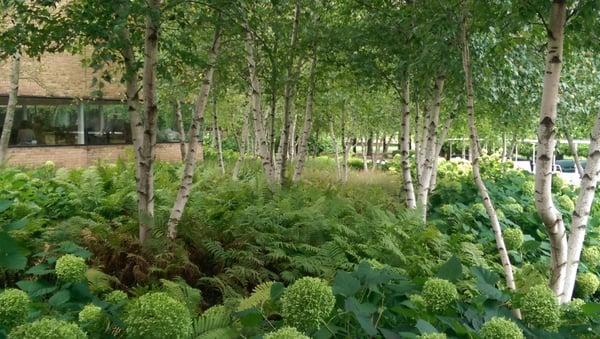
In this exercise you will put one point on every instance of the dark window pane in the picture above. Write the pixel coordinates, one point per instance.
(107, 124)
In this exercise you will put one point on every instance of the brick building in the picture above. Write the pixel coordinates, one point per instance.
(66, 116)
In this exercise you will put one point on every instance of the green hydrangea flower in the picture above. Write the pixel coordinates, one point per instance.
(514, 209)
(156, 315)
(14, 308)
(540, 308)
(417, 300)
(432, 336)
(587, 284)
(591, 256)
(528, 187)
(439, 294)
(92, 319)
(286, 333)
(478, 209)
(500, 328)
(572, 312)
(47, 328)
(566, 203)
(71, 268)
(513, 238)
(116, 297)
(307, 303)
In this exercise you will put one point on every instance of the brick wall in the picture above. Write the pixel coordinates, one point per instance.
(81, 156)
(60, 75)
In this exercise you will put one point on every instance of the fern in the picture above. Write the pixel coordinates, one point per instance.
(260, 295)
(216, 322)
(181, 291)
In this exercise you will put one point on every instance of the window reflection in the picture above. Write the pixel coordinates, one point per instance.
(69, 125)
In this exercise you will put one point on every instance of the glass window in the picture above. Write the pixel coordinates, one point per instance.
(106, 124)
(75, 124)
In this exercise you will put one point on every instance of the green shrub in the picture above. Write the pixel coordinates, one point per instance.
(417, 300)
(513, 238)
(572, 312)
(432, 336)
(356, 163)
(286, 333)
(116, 297)
(71, 268)
(307, 303)
(14, 308)
(156, 315)
(47, 328)
(439, 294)
(566, 203)
(93, 319)
(587, 284)
(591, 256)
(500, 328)
(540, 308)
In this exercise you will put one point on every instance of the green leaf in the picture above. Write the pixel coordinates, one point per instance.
(451, 270)
(277, 290)
(59, 298)
(425, 327)
(591, 309)
(486, 284)
(250, 317)
(353, 305)
(12, 256)
(4, 205)
(345, 284)
(367, 325)
(40, 269)
(36, 288)
(15, 225)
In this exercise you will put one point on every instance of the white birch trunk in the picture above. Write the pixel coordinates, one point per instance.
(289, 96)
(336, 148)
(13, 95)
(363, 150)
(195, 139)
(438, 149)
(581, 214)
(483, 192)
(308, 119)
(347, 147)
(180, 129)
(262, 146)
(551, 217)
(573, 148)
(429, 146)
(148, 151)
(217, 131)
(242, 146)
(409, 190)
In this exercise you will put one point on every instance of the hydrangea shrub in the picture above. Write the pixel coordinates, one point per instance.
(439, 294)
(286, 333)
(71, 268)
(540, 308)
(500, 328)
(14, 308)
(307, 303)
(47, 328)
(156, 315)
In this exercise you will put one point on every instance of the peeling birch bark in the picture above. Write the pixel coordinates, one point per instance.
(483, 192)
(409, 190)
(13, 94)
(551, 217)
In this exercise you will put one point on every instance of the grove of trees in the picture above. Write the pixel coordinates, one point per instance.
(286, 81)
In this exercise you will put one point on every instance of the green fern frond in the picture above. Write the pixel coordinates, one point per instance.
(260, 295)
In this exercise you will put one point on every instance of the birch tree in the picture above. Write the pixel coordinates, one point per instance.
(195, 138)
(11, 107)
(551, 217)
(474, 139)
